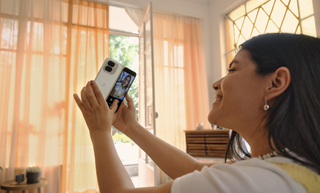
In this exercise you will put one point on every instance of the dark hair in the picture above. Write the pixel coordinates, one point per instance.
(293, 121)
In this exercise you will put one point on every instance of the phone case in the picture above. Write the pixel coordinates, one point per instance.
(106, 80)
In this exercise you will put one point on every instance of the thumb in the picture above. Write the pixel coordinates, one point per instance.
(129, 101)
(114, 106)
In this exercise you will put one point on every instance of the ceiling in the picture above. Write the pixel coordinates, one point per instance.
(203, 2)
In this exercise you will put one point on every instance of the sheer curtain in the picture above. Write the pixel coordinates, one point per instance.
(181, 96)
(180, 76)
(48, 50)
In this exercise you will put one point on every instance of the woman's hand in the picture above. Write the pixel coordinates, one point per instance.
(125, 118)
(94, 108)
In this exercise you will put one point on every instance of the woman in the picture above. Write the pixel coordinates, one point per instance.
(270, 98)
(121, 88)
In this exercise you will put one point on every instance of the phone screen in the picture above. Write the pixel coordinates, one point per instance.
(121, 87)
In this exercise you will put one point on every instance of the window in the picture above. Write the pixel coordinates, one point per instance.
(267, 16)
(124, 48)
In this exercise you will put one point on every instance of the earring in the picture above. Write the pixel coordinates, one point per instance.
(266, 106)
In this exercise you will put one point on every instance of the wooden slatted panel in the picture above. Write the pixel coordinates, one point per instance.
(207, 143)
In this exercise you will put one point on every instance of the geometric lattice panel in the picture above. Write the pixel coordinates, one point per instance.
(267, 16)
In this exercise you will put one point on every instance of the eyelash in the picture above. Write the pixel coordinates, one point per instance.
(231, 70)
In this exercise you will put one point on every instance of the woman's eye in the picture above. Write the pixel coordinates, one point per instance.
(231, 70)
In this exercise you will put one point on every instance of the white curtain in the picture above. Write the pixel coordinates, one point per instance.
(136, 15)
(31, 69)
(180, 74)
(48, 50)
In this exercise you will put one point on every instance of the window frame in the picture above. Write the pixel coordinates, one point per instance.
(231, 52)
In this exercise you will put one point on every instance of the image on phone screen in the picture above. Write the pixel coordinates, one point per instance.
(121, 87)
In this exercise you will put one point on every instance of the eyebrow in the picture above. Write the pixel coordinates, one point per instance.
(233, 61)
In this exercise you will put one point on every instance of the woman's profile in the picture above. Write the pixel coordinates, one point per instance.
(269, 98)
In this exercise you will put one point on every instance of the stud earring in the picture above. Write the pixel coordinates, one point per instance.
(266, 106)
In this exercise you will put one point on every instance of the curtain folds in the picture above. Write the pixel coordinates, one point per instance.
(180, 76)
(181, 95)
(48, 50)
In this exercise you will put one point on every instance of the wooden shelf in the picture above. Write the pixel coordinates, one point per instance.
(207, 143)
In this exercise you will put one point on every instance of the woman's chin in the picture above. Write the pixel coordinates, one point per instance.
(213, 118)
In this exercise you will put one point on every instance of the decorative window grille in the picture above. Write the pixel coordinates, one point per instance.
(256, 17)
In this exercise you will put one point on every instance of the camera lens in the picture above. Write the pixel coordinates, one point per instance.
(110, 63)
(108, 68)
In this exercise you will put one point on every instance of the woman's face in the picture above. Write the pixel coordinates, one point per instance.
(126, 81)
(240, 95)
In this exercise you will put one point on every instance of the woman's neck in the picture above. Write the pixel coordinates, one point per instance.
(260, 145)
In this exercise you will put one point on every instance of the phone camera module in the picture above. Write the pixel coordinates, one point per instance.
(110, 63)
(108, 68)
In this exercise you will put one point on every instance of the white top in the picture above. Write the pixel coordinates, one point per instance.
(252, 175)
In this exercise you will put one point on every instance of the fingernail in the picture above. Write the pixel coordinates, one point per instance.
(92, 82)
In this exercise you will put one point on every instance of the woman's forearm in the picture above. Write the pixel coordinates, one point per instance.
(170, 159)
(112, 176)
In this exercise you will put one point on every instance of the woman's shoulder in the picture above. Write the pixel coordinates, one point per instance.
(252, 175)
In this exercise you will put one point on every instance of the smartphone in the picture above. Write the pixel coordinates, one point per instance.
(114, 80)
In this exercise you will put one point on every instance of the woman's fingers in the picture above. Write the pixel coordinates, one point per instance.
(79, 102)
(91, 96)
(114, 106)
(84, 98)
(98, 93)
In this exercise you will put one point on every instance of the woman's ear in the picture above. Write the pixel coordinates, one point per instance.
(279, 82)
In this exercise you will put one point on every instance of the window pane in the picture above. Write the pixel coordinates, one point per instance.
(308, 27)
(268, 7)
(230, 35)
(255, 32)
(235, 14)
(290, 23)
(306, 8)
(294, 8)
(272, 28)
(239, 22)
(120, 20)
(247, 28)
(64, 11)
(278, 12)
(261, 21)
(272, 16)
(9, 36)
(252, 4)
(6, 59)
(253, 15)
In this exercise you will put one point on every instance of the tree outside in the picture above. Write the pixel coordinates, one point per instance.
(125, 50)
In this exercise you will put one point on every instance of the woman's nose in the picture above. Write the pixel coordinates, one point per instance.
(216, 85)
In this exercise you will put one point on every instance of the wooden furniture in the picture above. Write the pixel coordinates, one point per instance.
(207, 143)
(24, 187)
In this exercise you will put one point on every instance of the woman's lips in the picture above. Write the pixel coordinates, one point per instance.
(217, 98)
